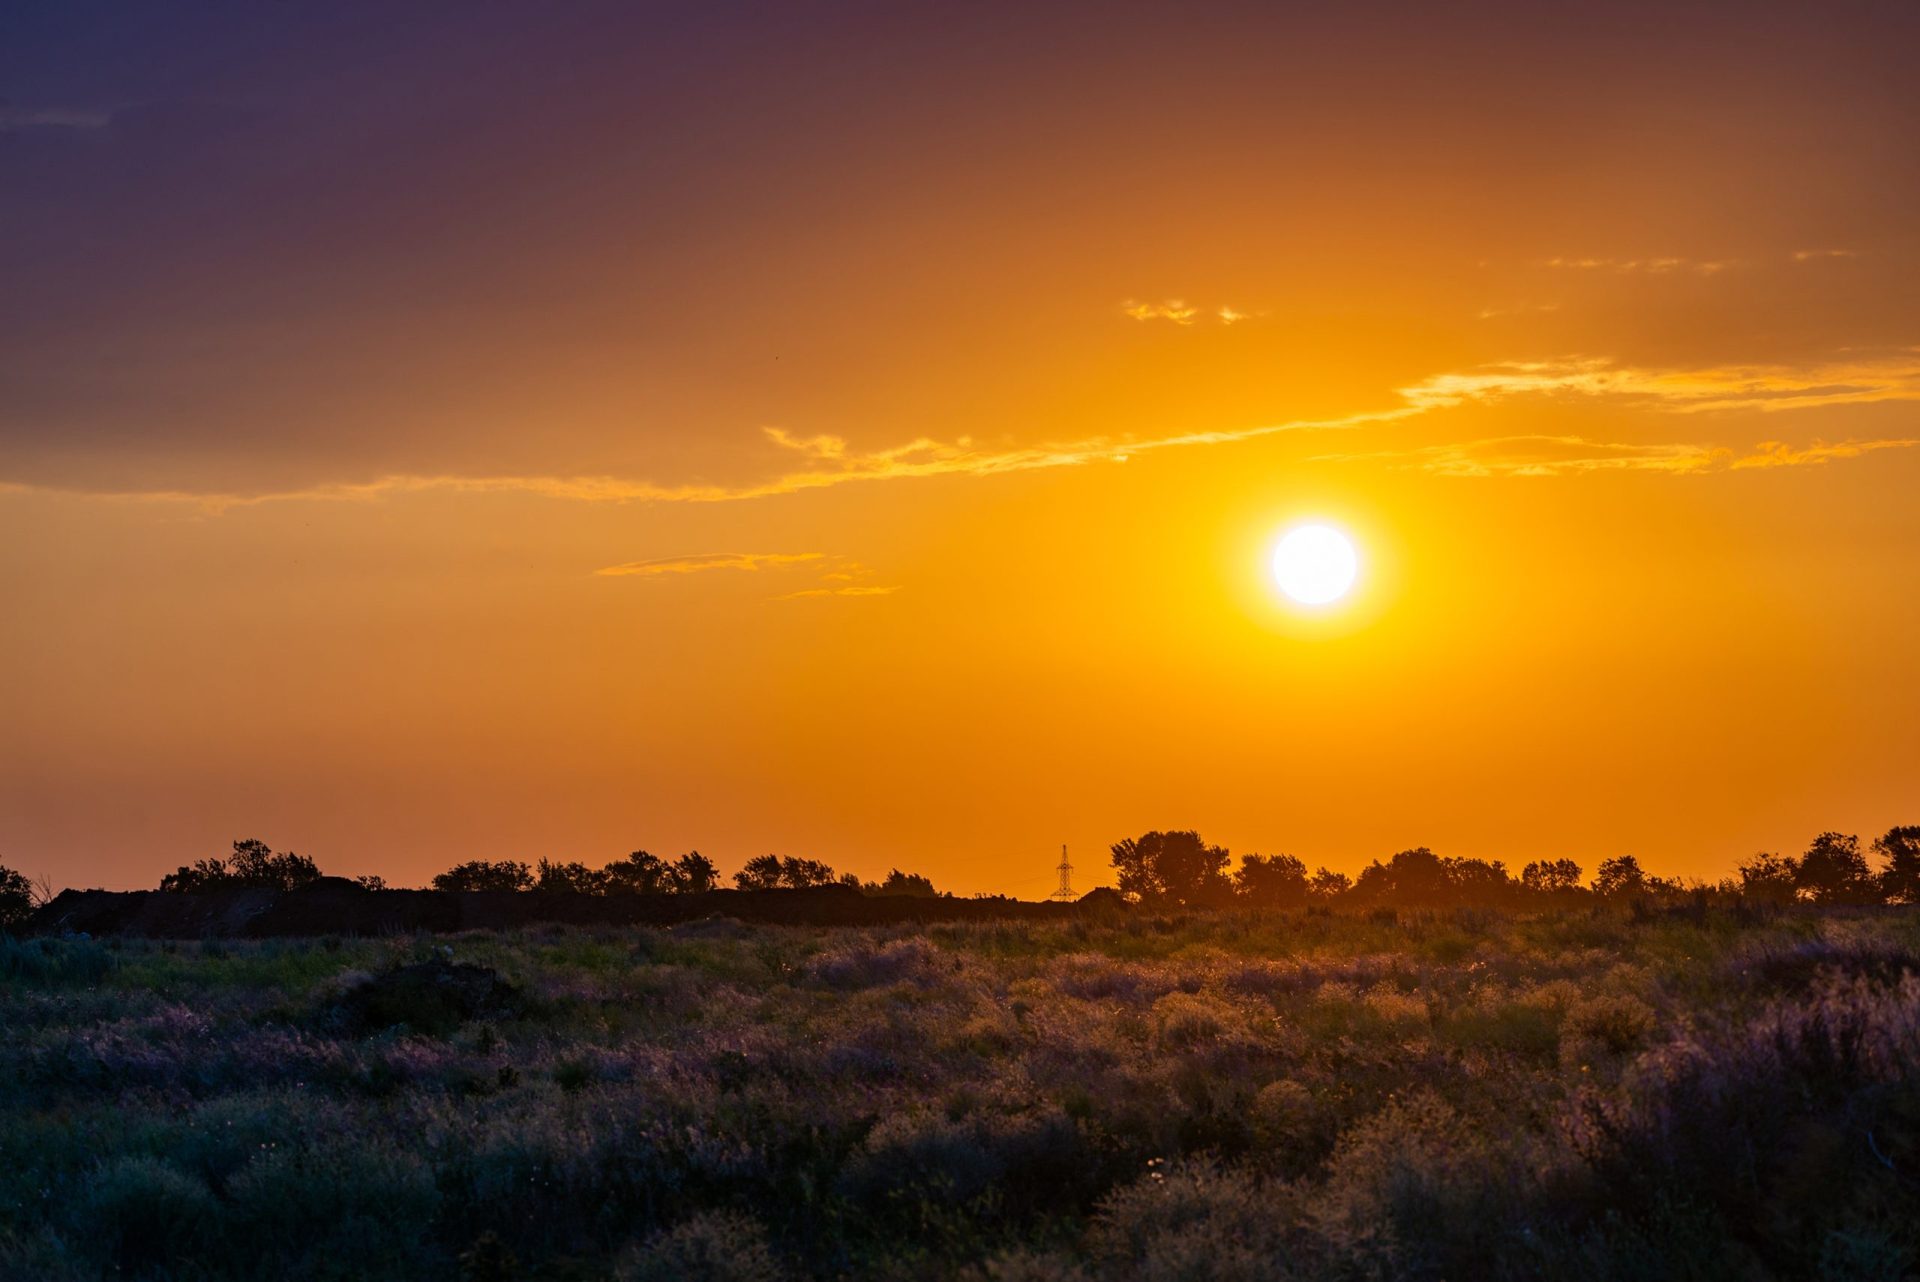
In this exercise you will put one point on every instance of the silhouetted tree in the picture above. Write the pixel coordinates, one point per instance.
(371, 881)
(481, 874)
(1621, 875)
(1327, 885)
(1176, 866)
(1900, 879)
(1416, 876)
(16, 899)
(573, 878)
(798, 872)
(908, 884)
(1551, 876)
(638, 874)
(1273, 881)
(692, 874)
(762, 872)
(770, 872)
(1770, 878)
(1833, 871)
(1479, 881)
(252, 864)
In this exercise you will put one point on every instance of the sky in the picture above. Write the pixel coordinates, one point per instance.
(858, 431)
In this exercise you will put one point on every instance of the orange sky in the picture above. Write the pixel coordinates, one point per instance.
(505, 434)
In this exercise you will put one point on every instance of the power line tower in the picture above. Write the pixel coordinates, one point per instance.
(1065, 892)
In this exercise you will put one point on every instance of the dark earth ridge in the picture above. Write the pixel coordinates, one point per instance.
(337, 906)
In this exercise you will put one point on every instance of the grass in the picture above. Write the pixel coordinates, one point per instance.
(1587, 1094)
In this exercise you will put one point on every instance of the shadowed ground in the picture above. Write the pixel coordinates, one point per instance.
(1582, 1094)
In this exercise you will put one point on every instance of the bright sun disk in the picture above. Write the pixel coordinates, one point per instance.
(1315, 564)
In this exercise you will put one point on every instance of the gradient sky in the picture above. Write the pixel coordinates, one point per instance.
(484, 430)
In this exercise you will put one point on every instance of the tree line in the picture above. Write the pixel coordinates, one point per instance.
(1180, 868)
(255, 865)
(1177, 868)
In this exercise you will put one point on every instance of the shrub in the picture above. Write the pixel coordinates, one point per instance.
(55, 961)
(1289, 1124)
(1195, 1221)
(715, 1247)
(1029, 1161)
(1183, 1021)
(862, 965)
(1787, 1129)
(1605, 1025)
(143, 1215)
(356, 1205)
(1412, 1191)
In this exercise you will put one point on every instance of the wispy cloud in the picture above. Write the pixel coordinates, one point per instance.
(21, 119)
(1646, 266)
(707, 561)
(1765, 388)
(846, 590)
(1491, 312)
(838, 577)
(1814, 255)
(1539, 455)
(1174, 309)
(1180, 312)
(825, 461)
(1544, 455)
(1780, 454)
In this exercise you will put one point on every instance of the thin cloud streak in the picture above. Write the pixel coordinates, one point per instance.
(830, 461)
(806, 593)
(1646, 266)
(15, 119)
(1543, 455)
(1766, 388)
(709, 561)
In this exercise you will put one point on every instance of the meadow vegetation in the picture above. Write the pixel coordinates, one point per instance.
(1626, 1087)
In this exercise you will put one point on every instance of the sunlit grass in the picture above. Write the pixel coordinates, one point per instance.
(1413, 1093)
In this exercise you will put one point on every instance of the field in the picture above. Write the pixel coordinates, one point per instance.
(1594, 1093)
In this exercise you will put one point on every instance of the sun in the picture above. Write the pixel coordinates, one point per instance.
(1315, 564)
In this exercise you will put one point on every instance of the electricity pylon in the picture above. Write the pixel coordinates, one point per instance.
(1066, 879)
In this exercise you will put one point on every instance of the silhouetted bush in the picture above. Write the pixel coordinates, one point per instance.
(433, 997)
(907, 884)
(253, 865)
(1834, 871)
(1769, 879)
(1900, 879)
(774, 872)
(1551, 876)
(16, 899)
(481, 874)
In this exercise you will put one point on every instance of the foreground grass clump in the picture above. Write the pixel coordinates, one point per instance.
(1247, 1094)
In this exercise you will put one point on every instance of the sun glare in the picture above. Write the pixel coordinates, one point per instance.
(1315, 564)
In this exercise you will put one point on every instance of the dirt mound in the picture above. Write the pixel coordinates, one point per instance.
(432, 997)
